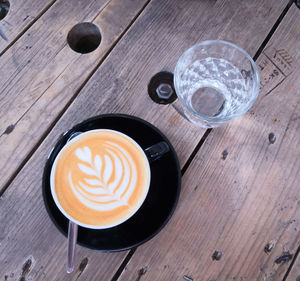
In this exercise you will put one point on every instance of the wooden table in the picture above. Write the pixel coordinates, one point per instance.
(246, 205)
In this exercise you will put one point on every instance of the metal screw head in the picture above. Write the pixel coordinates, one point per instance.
(269, 247)
(161, 88)
(217, 255)
(272, 138)
(164, 91)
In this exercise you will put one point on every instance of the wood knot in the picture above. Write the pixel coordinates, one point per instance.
(25, 269)
(83, 264)
(142, 271)
(285, 257)
(9, 129)
(26, 266)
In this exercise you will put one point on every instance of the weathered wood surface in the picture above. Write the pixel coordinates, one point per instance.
(40, 74)
(46, 94)
(281, 51)
(21, 15)
(119, 85)
(246, 205)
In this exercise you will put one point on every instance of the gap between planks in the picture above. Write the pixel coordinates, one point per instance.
(273, 29)
(27, 27)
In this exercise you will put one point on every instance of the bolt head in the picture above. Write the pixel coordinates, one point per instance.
(164, 91)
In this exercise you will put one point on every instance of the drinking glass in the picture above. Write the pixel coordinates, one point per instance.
(215, 81)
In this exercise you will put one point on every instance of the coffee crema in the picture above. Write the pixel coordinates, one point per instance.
(100, 178)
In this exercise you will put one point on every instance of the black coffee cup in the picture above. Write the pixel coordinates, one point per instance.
(162, 197)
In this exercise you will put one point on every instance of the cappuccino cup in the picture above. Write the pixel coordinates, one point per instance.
(101, 177)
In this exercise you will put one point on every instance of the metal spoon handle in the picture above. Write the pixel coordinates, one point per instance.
(72, 239)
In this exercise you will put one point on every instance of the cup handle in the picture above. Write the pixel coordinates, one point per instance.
(156, 151)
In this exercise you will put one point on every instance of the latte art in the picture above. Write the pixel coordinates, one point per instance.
(100, 178)
(100, 190)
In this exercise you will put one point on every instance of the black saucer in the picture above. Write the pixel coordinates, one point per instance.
(160, 202)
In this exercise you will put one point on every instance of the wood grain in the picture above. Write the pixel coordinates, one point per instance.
(149, 49)
(246, 206)
(21, 15)
(281, 51)
(119, 85)
(44, 75)
(36, 60)
(48, 260)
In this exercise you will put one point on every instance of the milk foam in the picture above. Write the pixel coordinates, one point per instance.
(110, 178)
(100, 179)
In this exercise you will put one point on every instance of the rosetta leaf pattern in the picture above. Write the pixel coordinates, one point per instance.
(108, 179)
(100, 172)
(87, 170)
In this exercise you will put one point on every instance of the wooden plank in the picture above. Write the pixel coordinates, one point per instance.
(21, 15)
(45, 73)
(246, 206)
(48, 260)
(119, 85)
(281, 51)
(35, 61)
(50, 94)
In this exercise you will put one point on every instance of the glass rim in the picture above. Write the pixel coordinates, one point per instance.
(241, 50)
